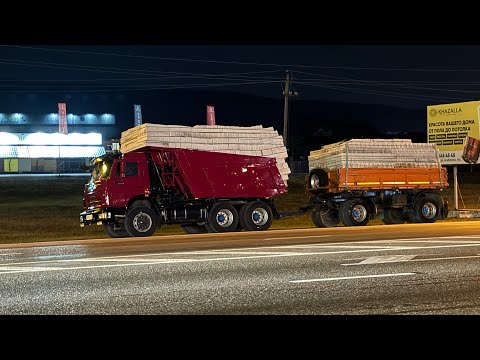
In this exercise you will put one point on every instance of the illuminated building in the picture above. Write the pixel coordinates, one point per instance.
(31, 143)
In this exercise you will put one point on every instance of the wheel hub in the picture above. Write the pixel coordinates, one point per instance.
(142, 222)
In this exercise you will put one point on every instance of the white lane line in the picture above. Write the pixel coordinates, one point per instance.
(11, 254)
(415, 260)
(29, 269)
(387, 258)
(352, 277)
(133, 260)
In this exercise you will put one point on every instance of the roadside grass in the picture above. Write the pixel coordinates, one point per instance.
(47, 208)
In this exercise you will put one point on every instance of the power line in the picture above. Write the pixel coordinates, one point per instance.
(243, 63)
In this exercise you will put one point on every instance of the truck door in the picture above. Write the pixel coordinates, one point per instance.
(130, 179)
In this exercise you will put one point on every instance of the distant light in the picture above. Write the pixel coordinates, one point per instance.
(8, 139)
(62, 139)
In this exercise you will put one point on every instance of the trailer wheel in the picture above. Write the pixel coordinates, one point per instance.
(426, 209)
(141, 221)
(325, 218)
(120, 232)
(194, 229)
(393, 216)
(256, 216)
(317, 178)
(355, 212)
(222, 217)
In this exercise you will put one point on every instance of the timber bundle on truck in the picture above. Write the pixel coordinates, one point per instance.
(352, 182)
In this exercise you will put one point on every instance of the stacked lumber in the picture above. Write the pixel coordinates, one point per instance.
(374, 153)
(253, 140)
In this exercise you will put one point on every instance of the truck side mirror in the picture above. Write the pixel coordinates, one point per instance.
(122, 169)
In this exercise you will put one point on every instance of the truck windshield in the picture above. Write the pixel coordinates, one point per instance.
(101, 171)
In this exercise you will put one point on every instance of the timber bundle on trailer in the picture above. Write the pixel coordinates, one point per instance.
(396, 180)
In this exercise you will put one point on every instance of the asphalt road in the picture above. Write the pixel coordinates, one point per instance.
(397, 269)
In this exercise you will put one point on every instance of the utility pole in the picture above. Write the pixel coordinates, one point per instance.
(287, 93)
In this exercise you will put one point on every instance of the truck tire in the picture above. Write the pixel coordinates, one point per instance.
(119, 233)
(325, 218)
(317, 178)
(393, 216)
(256, 216)
(194, 229)
(141, 221)
(426, 209)
(354, 212)
(222, 217)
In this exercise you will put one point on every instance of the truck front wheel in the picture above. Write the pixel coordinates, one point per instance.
(325, 218)
(141, 221)
(115, 230)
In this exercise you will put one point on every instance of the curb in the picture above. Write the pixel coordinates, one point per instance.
(464, 214)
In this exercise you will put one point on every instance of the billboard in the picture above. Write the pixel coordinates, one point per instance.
(138, 115)
(455, 129)
(210, 115)
(62, 118)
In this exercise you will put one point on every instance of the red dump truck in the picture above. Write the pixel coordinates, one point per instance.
(353, 196)
(134, 193)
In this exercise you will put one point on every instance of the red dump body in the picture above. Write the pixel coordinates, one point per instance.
(204, 174)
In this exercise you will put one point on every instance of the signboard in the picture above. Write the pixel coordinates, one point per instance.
(455, 129)
(210, 115)
(62, 118)
(138, 115)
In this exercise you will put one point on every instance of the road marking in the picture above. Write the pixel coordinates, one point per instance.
(352, 277)
(132, 260)
(386, 259)
(10, 254)
(415, 260)
(173, 260)
(28, 269)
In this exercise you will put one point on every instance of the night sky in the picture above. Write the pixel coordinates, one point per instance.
(101, 78)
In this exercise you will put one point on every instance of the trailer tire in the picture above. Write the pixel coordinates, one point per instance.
(393, 216)
(354, 212)
(194, 229)
(141, 221)
(426, 209)
(109, 229)
(222, 217)
(325, 218)
(256, 216)
(317, 178)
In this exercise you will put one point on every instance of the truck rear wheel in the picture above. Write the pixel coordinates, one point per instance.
(141, 221)
(354, 212)
(115, 230)
(194, 229)
(222, 217)
(325, 218)
(393, 216)
(426, 209)
(256, 216)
